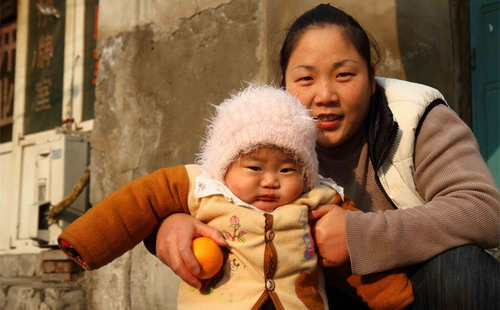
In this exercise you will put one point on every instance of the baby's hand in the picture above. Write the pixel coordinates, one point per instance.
(173, 245)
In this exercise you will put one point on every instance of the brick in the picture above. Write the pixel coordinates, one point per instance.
(53, 255)
(60, 266)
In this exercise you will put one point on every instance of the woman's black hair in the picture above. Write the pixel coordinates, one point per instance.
(325, 15)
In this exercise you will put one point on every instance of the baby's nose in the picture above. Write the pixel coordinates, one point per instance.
(270, 180)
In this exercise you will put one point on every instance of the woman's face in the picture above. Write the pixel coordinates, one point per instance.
(328, 75)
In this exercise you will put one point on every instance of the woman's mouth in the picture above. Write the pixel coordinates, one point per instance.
(328, 121)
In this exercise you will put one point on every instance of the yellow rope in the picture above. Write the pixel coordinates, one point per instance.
(56, 210)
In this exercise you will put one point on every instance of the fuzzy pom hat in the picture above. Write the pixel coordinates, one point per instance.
(259, 116)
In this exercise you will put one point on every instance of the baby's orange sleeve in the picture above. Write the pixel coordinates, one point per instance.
(126, 217)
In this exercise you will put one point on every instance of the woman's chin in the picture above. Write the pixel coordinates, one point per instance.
(329, 139)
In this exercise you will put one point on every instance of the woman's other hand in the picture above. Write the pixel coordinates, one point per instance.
(173, 245)
(330, 234)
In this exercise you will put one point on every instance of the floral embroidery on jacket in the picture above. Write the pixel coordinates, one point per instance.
(307, 239)
(201, 186)
(235, 224)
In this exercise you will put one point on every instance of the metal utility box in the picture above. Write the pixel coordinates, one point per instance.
(59, 163)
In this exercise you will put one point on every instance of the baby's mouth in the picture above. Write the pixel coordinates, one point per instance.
(267, 198)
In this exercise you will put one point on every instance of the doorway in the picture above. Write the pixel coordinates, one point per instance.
(485, 62)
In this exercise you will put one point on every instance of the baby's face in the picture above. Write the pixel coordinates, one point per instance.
(266, 178)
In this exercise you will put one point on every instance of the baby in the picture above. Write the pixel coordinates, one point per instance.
(257, 180)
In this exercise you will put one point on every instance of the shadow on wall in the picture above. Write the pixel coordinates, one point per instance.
(424, 53)
(434, 43)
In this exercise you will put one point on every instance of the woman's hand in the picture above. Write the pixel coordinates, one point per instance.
(329, 234)
(173, 245)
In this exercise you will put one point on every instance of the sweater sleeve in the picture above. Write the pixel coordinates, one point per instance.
(124, 218)
(462, 203)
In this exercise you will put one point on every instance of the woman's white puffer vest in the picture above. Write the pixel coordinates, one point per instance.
(408, 102)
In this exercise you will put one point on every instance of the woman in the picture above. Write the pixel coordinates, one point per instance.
(421, 181)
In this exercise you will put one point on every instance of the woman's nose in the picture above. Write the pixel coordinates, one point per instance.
(325, 94)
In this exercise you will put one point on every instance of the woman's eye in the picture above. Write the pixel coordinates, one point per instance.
(344, 75)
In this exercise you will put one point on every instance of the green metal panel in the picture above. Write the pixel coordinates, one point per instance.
(485, 44)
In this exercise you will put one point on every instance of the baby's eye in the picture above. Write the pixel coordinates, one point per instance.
(286, 170)
(305, 78)
(254, 168)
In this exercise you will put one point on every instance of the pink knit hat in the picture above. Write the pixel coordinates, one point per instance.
(257, 116)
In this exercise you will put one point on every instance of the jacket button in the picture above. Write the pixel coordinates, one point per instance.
(269, 235)
(270, 285)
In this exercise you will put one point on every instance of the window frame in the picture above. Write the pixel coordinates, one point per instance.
(15, 191)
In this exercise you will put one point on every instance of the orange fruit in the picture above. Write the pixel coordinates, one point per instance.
(209, 255)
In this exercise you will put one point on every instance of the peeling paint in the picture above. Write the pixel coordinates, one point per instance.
(107, 51)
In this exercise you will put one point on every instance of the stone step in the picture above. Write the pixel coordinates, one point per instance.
(37, 293)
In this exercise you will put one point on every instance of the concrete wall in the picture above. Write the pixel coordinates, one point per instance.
(158, 75)
(23, 285)
(163, 62)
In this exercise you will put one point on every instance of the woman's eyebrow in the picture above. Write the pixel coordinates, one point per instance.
(343, 63)
(335, 65)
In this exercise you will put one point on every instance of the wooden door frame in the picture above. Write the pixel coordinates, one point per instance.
(460, 26)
